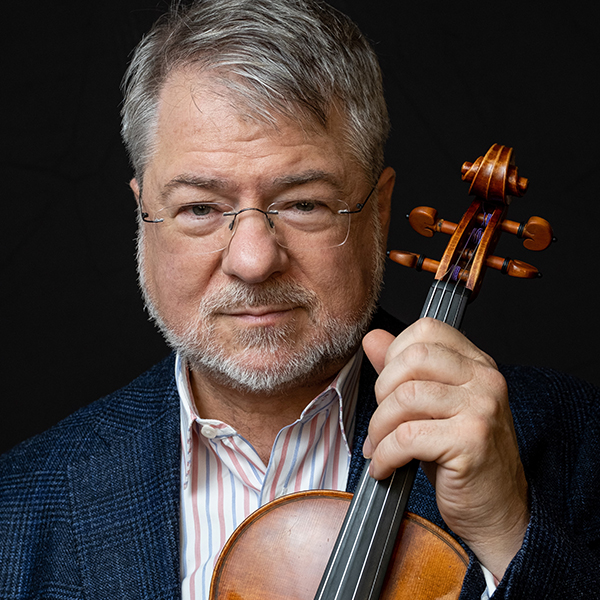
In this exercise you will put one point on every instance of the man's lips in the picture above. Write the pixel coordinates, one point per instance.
(259, 314)
(256, 311)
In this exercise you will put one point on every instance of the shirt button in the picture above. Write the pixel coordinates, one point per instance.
(209, 432)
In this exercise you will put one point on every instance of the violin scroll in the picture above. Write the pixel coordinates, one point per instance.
(495, 176)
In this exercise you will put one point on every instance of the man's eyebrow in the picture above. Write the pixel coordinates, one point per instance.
(191, 180)
(215, 183)
(218, 184)
(209, 183)
(305, 177)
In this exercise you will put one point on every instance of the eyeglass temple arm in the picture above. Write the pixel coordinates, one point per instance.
(144, 214)
(359, 205)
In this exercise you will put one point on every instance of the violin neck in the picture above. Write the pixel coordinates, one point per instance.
(358, 564)
(446, 302)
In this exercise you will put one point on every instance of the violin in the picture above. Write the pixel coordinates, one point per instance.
(331, 545)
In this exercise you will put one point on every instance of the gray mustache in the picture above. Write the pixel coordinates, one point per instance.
(239, 294)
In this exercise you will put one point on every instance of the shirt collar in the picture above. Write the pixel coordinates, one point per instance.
(344, 388)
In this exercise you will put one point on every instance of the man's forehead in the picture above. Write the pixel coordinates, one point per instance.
(192, 89)
(198, 116)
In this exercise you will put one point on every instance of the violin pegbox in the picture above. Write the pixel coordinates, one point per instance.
(494, 181)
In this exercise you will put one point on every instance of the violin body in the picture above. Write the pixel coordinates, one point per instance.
(280, 552)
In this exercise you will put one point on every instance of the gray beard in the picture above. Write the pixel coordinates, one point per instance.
(285, 360)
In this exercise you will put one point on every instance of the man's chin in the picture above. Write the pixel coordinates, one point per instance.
(256, 343)
(253, 360)
(257, 371)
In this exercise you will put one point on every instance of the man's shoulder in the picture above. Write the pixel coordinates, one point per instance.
(554, 413)
(543, 384)
(94, 426)
(88, 478)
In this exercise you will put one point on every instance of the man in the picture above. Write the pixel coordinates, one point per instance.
(256, 132)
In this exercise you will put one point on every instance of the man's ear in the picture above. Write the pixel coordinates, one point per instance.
(385, 187)
(134, 185)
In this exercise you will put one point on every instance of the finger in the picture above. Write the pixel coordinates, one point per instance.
(398, 448)
(430, 441)
(470, 389)
(425, 361)
(375, 345)
(414, 401)
(432, 331)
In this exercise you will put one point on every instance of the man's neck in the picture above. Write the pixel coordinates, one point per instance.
(255, 416)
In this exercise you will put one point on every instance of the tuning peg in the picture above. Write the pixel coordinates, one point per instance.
(423, 219)
(507, 266)
(537, 232)
(512, 267)
(414, 261)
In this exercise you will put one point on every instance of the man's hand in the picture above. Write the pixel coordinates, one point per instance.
(443, 402)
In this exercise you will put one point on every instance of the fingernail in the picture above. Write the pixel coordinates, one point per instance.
(367, 448)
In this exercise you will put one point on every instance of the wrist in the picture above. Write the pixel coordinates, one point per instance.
(497, 551)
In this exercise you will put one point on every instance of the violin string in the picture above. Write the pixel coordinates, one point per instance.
(372, 539)
(384, 509)
(431, 298)
(387, 539)
(344, 533)
(448, 279)
(456, 315)
(360, 528)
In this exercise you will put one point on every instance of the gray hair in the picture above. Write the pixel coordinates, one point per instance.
(300, 59)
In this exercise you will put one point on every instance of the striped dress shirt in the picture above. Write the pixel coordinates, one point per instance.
(223, 480)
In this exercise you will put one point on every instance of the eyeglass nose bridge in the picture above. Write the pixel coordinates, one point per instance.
(235, 214)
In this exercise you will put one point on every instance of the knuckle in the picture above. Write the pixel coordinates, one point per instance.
(493, 398)
(379, 390)
(407, 433)
(480, 429)
(405, 394)
(428, 326)
(416, 354)
(490, 360)
(496, 380)
(394, 450)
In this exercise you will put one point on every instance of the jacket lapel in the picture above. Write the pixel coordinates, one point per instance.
(125, 494)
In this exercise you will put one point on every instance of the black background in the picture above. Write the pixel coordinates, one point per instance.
(459, 76)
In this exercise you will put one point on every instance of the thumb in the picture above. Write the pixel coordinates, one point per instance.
(376, 344)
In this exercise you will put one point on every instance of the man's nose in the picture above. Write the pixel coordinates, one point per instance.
(253, 253)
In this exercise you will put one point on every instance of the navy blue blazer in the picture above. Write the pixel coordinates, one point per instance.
(90, 508)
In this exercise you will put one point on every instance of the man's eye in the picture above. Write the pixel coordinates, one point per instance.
(304, 206)
(299, 206)
(201, 210)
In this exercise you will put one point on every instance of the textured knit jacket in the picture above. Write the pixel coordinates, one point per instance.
(90, 509)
